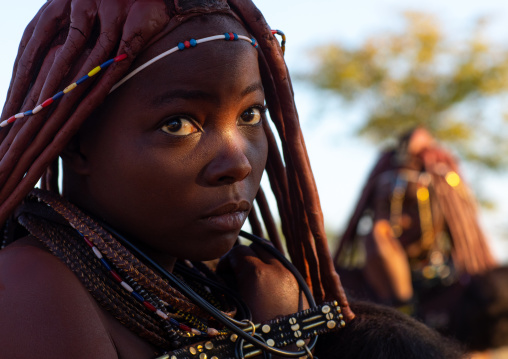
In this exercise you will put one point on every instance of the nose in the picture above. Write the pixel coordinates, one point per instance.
(230, 163)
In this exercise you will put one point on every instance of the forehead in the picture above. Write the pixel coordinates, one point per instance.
(196, 28)
(205, 59)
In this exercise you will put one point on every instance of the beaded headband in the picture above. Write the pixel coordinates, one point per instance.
(231, 36)
(228, 36)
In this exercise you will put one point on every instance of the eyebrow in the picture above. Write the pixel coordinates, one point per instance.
(258, 86)
(171, 95)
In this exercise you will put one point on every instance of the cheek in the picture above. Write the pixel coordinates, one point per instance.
(258, 154)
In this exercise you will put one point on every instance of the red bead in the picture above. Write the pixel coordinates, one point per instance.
(186, 328)
(274, 32)
(187, 44)
(48, 102)
(231, 36)
(90, 244)
(11, 119)
(120, 57)
(149, 306)
(116, 276)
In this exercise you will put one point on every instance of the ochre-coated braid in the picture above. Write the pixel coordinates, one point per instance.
(78, 258)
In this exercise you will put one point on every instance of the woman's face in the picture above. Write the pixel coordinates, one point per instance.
(175, 155)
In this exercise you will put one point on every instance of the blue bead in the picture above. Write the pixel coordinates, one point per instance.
(235, 35)
(58, 95)
(226, 36)
(106, 264)
(107, 63)
(253, 41)
(174, 321)
(181, 46)
(81, 80)
(193, 42)
(28, 113)
(138, 297)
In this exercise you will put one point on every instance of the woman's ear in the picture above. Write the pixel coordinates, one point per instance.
(74, 158)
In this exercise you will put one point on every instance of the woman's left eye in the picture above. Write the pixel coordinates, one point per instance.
(251, 116)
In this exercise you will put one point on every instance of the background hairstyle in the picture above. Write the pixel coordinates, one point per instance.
(83, 36)
(470, 251)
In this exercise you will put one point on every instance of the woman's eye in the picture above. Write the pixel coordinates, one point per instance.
(251, 116)
(179, 126)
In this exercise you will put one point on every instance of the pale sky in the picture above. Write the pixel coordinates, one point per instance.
(340, 162)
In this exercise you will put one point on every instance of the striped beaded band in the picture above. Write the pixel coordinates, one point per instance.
(208, 333)
(228, 36)
(59, 95)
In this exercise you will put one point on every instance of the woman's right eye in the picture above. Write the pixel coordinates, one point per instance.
(179, 126)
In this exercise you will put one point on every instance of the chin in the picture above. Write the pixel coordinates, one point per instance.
(213, 248)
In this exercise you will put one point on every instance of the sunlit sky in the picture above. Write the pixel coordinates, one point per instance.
(340, 161)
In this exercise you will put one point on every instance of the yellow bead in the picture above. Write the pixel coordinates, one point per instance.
(94, 71)
(70, 87)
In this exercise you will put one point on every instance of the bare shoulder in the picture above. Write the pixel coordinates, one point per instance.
(45, 310)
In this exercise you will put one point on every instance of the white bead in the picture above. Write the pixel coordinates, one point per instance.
(37, 109)
(4, 123)
(212, 332)
(127, 287)
(96, 252)
(161, 314)
(19, 115)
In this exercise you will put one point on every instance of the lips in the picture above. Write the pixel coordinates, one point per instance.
(229, 217)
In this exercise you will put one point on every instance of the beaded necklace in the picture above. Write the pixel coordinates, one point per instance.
(133, 292)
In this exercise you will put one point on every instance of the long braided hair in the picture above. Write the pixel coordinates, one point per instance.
(450, 203)
(52, 52)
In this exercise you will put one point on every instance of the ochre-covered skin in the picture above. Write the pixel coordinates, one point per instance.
(218, 166)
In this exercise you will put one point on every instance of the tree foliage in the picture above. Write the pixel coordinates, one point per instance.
(419, 76)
